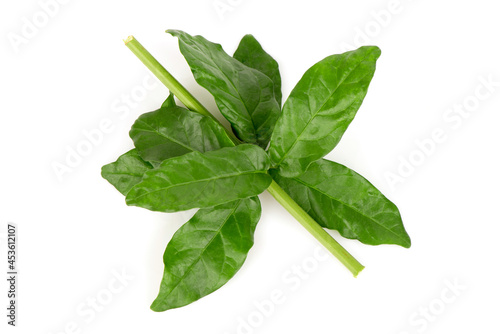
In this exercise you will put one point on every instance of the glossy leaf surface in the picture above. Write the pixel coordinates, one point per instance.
(126, 172)
(174, 131)
(244, 95)
(320, 108)
(200, 180)
(251, 54)
(206, 252)
(340, 199)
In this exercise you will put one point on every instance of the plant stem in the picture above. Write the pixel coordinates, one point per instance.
(274, 189)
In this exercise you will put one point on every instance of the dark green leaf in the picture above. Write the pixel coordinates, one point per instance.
(245, 96)
(169, 102)
(340, 199)
(126, 172)
(251, 53)
(174, 131)
(206, 252)
(200, 180)
(320, 108)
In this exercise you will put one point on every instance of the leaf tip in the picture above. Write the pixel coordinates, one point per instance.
(407, 242)
(403, 240)
(249, 37)
(156, 306)
(103, 171)
(161, 305)
(375, 50)
(173, 32)
(404, 237)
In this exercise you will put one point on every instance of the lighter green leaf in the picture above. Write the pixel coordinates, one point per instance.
(320, 108)
(174, 131)
(206, 252)
(340, 199)
(200, 180)
(126, 172)
(251, 53)
(245, 96)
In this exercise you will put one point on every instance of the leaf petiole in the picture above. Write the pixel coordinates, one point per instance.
(274, 189)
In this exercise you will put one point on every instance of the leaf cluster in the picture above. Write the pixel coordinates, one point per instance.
(184, 160)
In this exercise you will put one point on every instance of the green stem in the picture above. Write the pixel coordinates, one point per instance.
(274, 189)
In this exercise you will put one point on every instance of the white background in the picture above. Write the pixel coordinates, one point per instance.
(76, 233)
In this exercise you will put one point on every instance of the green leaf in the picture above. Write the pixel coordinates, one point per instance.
(251, 54)
(320, 108)
(200, 180)
(174, 131)
(206, 252)
(169, 102)
(340, 199)
(126, 172)
(244, 95)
